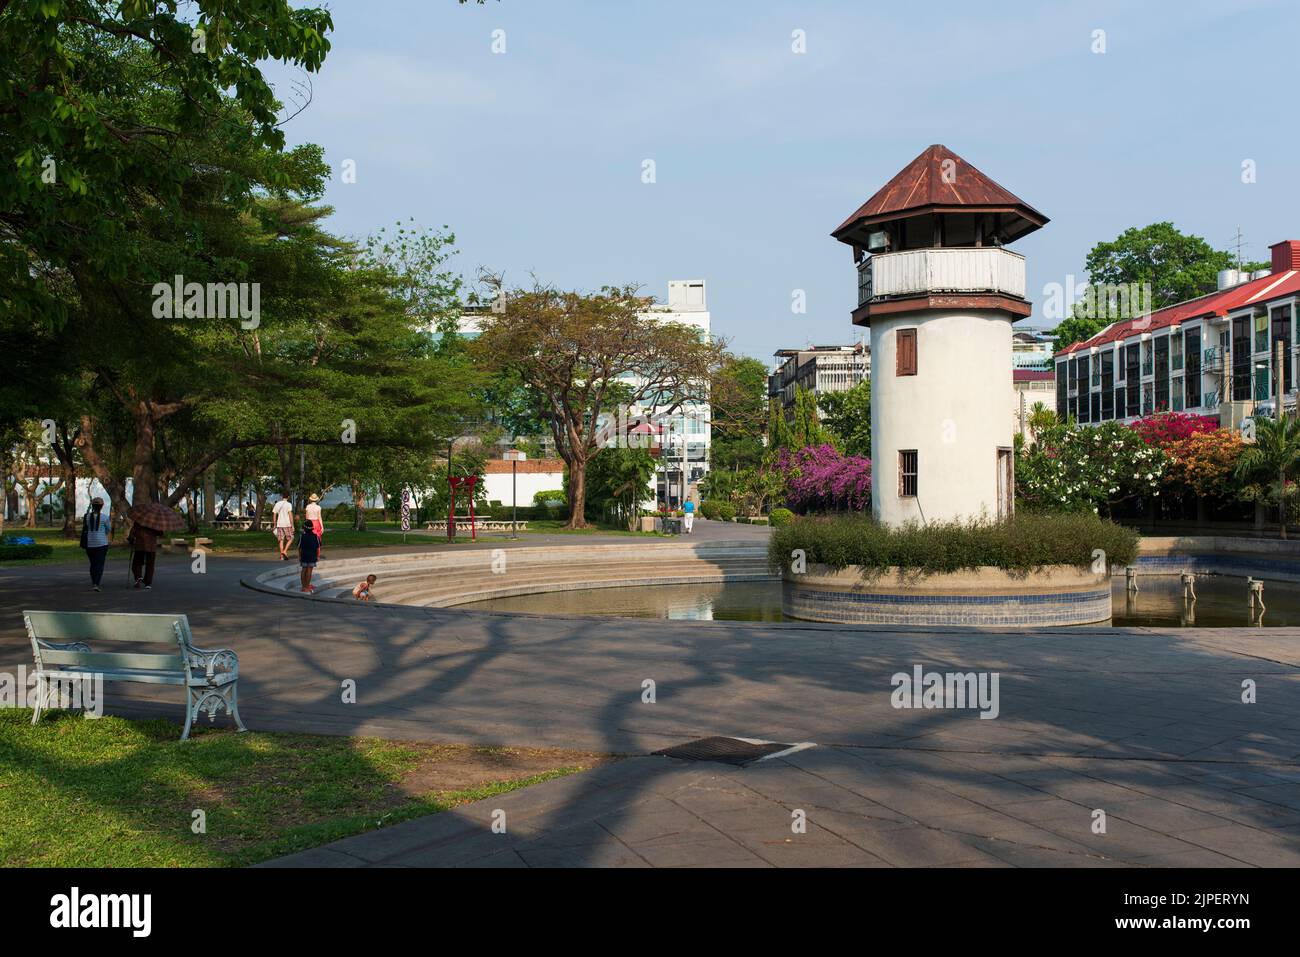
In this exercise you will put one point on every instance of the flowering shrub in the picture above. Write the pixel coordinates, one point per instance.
(1072, 468)
(1164, 428)
(1205, 463)
(819, 479)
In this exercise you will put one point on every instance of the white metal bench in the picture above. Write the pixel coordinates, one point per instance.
(481, 524)
(60, 646)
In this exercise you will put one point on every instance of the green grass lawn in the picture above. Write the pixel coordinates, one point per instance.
(118, 793)
(337, 535)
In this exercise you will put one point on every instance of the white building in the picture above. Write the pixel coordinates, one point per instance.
(686, 435)
(1213, 355)
(502, 478)
(819, 370)
(940, 293)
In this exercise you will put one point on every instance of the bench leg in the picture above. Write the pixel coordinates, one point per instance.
(232, 706)
(41, 691)
(211, 699)
(189, 713)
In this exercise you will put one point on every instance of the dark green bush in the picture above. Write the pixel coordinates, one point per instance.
(11, 552)
(710, 510)
(1026, 542)
(780, 517)
(727, 513)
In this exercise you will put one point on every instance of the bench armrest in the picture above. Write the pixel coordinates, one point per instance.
(212, 660)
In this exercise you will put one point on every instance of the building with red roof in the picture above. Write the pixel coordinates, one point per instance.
(1213, 355)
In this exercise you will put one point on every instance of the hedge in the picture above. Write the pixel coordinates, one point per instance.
(780, 517)
(13, 552)
(710, 510)
(1025, 543)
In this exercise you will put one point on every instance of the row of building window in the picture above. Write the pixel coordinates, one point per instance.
(1110, 384)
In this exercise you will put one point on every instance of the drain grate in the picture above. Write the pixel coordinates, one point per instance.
(725, 750)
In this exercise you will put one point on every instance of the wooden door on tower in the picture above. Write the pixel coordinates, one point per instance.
(1006, 484)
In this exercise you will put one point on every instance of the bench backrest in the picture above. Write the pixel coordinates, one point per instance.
(62, 627)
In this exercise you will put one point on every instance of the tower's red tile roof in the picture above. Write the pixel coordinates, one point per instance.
(921, 186)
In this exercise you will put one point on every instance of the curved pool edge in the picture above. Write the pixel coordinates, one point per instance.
(1053, 596)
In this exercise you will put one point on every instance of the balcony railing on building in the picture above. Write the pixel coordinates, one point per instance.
(915, 272)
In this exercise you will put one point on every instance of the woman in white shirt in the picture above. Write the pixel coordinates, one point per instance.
(98, 531)
(314, 516)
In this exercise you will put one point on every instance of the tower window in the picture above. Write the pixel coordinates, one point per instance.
(905, 352)
(907, 473)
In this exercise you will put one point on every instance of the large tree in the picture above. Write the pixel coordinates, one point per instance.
(847, 415)
(738, 404)
(583, 355)
(98, 101)
(1176, 266)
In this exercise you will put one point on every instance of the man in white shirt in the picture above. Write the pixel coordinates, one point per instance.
(282, 514)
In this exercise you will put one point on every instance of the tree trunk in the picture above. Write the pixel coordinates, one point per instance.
(359, 502)
(1259, 515)
(116, 490)
(66, 453)
(1281, 497)
(30, 496)
(209, 497)
(1202, 512)
(145, 479)
(577, 494)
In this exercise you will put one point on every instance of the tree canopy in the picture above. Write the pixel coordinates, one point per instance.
(1176, 266)
(583, 355)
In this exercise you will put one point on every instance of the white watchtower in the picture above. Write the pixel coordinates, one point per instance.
(939, 292)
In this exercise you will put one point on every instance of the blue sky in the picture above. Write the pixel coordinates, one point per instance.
(534, 156)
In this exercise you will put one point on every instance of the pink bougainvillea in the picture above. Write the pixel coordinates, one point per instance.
(1164, 428)
(820, 479)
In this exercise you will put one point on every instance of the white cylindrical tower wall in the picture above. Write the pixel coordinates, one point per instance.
(952, 412)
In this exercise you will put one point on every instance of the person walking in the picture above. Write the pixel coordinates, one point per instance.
(96, 533)
(312, 511)
(308, 556)
(688, 515)
(144, 553)
(282, 526)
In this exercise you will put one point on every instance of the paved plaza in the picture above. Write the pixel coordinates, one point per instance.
(1144, 724)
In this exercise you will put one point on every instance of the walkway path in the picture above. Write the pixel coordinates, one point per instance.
(1146, 725)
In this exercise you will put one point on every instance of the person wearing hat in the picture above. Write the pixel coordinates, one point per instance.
(314, 517)
(96, 533)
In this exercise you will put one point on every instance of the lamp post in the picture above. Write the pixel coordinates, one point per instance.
(451, 493)
(514, 456)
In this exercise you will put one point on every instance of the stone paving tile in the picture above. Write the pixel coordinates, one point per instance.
(1164, 816)
(506, 858)
(1023, 855)
(718, 851)
(916, 846)
(1280, 848)
(612, 854)
(1122, 840)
